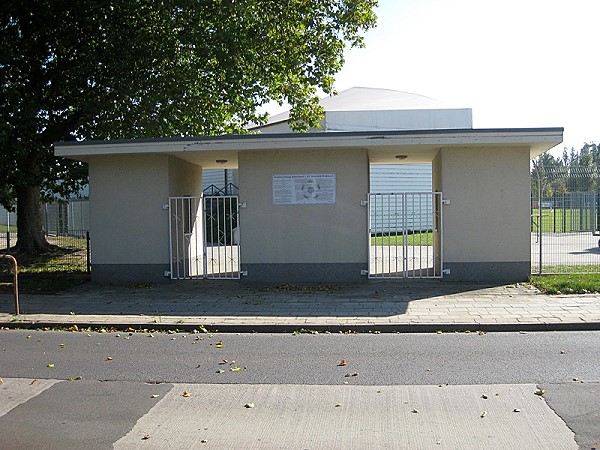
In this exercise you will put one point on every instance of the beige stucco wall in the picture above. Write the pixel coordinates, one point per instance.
(126, 218)
(128, 225)
(308, 233)
(488, 218)
(185, 179)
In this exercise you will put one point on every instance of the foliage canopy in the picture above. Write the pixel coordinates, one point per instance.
(75, 70)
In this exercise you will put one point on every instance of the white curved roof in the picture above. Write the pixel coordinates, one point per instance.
(371, 99)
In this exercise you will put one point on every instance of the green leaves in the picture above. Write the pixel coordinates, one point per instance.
(157, 68)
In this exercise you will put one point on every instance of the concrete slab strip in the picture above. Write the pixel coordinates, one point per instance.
(361, 417)
(15, 391)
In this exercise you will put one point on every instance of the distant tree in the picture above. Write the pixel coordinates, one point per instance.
(74, 70)
(573, 171)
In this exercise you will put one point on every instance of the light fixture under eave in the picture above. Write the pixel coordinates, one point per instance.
(401, 156)
(221, 161)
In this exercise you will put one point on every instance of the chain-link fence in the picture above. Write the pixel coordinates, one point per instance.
(565, 220)
(66, 227)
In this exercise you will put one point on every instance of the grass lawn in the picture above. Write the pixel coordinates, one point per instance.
(50, 273)
(5, 228)
(580, 283)
(412, 239)
(560, 220)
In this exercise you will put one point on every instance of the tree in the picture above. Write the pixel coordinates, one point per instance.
(75, 70)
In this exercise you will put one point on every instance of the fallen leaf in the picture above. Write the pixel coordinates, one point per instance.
(186, 394)
(516, 410)
(62, 345)
(219, 344)
(235, 369)
(146, 437)
(539, 392)
(154, 396)
(249, 405)
(483, 414)
(220, 371)
(109, 358)
(343, 363)
(337, 405)
(51, 366)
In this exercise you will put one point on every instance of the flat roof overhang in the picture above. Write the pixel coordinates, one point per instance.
(419, 146)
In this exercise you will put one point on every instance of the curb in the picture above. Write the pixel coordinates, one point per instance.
(320, 328)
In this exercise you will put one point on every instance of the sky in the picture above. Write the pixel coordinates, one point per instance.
(516, 63)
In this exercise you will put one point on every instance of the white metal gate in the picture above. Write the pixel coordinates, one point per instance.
(405, 235)
(204, 237)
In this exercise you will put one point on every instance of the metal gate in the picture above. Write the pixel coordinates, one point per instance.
(204, 237)
(405, 235)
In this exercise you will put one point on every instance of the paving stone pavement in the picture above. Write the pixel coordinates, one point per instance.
(372, 306)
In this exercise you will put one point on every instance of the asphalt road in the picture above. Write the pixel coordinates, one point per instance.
(379, 359)
(564, 364)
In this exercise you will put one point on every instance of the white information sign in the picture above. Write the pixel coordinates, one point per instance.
(304, 188)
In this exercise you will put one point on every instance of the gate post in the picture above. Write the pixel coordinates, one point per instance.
(540, 218)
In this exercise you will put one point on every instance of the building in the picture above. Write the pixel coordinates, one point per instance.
(305, 209)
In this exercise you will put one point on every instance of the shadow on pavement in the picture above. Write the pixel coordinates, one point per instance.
(235, 299)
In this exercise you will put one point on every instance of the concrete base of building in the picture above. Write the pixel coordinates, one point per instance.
(304, 273)
(130, 273)
(511, 272)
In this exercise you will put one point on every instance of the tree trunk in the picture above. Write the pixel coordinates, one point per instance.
(31, 238)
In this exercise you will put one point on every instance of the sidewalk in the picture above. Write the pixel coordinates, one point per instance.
(374, 306)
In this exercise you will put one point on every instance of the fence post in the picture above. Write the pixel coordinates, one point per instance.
(540, 217)
(8, 240)
(87, 252)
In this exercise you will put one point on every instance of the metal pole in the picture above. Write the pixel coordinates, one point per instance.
(87, 252)
(15, 281)
(540, 217)
(554, 211)
(8, 231)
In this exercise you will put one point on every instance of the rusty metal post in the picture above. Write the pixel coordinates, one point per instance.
(15, 282)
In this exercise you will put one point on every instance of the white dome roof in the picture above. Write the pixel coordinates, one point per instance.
(374, 99)
(371, 99)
